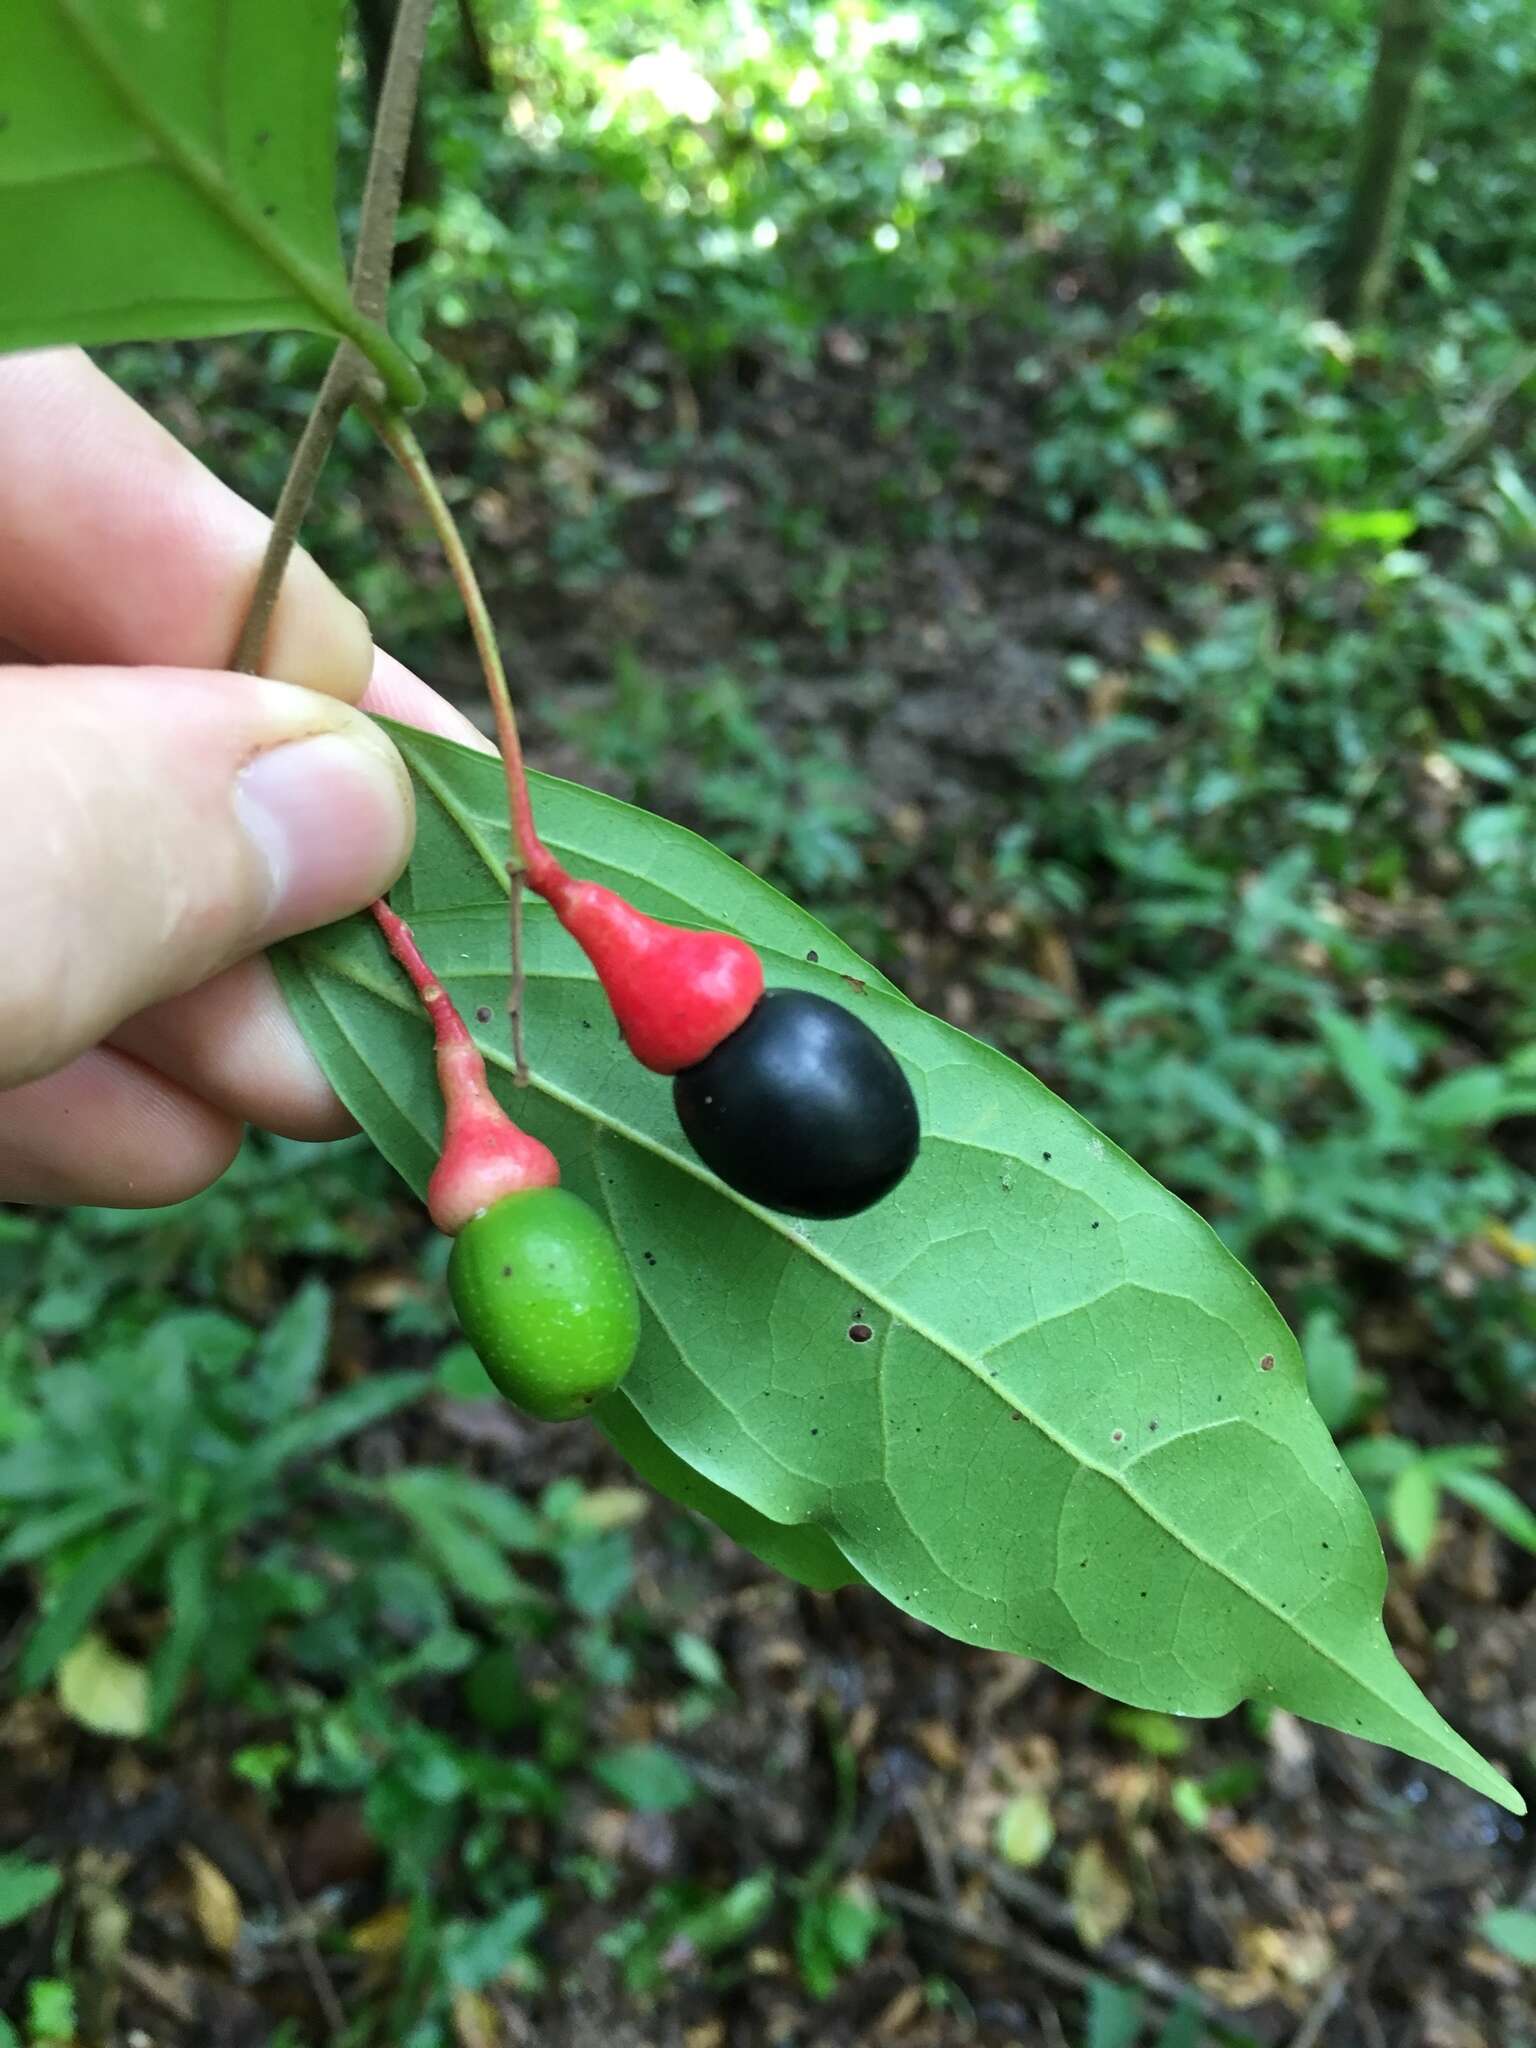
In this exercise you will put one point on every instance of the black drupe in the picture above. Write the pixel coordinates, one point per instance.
(802, 1108)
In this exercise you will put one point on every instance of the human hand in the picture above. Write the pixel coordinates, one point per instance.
(160, 822)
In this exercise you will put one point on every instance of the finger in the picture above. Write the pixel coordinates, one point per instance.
(118, 547)
(106, 1130)
(393, 692)
(156, 826)
(234, 1043)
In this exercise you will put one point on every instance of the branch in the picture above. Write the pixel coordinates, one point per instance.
(371, 264)
(1006, 1941)
(293, 503)
(1117, 1957)
(374, 256)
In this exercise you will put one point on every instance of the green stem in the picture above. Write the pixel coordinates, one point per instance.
(327, 294)
(529, 852)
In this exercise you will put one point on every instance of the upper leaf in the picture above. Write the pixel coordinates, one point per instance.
(1079, 1430)
(167, 168)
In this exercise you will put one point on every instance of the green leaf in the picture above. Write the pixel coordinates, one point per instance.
(477, 1952)
(1470, 1100)
(1493, 1500)
(1081, 1432)
(462, 1377)
(188, 1574)
(1382, 527)
(470, 1561)
(170, 171)
(721, 1923)
(501, 1515)
(291, 1354)
(801, 1552)
(834, 1932)
(24, 1887)
(1183, 2028)
(42, 1534)
(110, 1562)
(1187, 1798)
(646, 1777)
(1377, 1460)
(340, 1417)
(1361, 1062)
(1413, 1509)
(1333, 1368)
(1115, 2014)
(1153, 1734)
(50, 2011)
(1513, 1931)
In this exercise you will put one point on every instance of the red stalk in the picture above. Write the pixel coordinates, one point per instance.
(484, 1156)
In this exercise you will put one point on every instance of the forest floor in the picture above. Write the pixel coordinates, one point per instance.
(1308, 1890)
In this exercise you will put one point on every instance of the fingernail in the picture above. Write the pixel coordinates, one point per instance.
(332, 819)
(317, 637)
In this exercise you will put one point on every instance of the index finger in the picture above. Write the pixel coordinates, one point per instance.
(118, 547)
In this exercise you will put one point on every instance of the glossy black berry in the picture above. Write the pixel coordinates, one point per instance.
(802, 1108)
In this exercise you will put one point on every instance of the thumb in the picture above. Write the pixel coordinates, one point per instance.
(157, 825)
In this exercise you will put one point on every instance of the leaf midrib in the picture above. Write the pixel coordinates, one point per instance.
(472, 827)
(398, 1000)
(326, 296)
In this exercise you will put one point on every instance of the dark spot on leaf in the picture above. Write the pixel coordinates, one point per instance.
(1083, 1566)
(483, 1014)
(1325, 1546)
(506, 1272)
(815, 1432)
(860, 1333)
(1093, 1226)
(813, 956)
(1015, 1416)
(586, 1024)
(1117, 1436)
(1153, 1423)
(1045, 1155)
(269, 212)
(1143, 1592)
(263, 137)
(859, 987)
(1267, 1362)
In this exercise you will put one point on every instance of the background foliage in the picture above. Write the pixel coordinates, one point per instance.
(910, 448)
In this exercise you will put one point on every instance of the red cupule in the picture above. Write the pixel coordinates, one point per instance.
(676, 993)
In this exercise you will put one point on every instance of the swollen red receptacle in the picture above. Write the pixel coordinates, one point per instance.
(677, 994)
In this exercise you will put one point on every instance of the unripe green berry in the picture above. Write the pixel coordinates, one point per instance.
(546, 1299)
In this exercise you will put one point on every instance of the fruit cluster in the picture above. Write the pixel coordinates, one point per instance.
(788, 1097)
